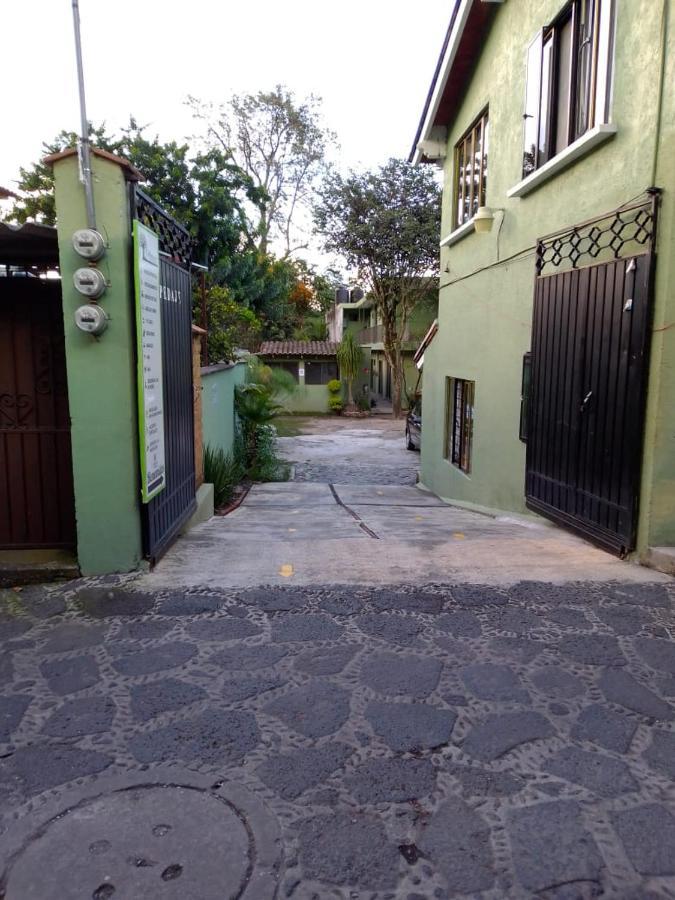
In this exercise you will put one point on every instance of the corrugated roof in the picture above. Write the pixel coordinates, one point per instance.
(28, 245)
(297, 348)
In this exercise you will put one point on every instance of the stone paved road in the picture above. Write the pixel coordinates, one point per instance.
(352, 451)
(407, 742)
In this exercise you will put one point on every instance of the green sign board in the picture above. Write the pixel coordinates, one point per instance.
(149, 353)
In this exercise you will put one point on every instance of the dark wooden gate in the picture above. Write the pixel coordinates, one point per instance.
(590, 347)
(37, 506)
(166, 513)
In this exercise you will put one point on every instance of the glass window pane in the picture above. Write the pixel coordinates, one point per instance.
(486, 135)
(564, 84)
(604, 62)
(287, 366)
(544, 123)
(532, 97)
(460, 182)
(582, 121)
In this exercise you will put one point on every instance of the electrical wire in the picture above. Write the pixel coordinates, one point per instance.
(521, 254)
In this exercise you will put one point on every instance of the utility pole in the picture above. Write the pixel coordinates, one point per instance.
(84, 150)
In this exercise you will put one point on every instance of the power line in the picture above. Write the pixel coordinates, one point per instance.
(521, 254)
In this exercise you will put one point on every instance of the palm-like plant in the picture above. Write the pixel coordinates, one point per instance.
(256, 402)
(349, 357)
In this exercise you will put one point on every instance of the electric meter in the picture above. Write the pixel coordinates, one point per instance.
(89, 282)
(91, 319)
(88, 243)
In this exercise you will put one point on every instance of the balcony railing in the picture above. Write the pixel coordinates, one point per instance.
(375, 335)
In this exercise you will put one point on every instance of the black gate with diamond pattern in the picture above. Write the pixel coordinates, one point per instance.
(590, 342)
(166, 513)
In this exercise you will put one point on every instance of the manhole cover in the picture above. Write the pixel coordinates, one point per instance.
(147, 841)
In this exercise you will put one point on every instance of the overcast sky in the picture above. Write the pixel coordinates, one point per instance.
(370, 60)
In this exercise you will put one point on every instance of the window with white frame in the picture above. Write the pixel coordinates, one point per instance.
(471, 170)
(568, 80)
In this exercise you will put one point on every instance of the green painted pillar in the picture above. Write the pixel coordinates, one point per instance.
(102, 372)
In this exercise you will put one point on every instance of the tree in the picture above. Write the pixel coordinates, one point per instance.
(37, 181)
(281, 145)
(206, 192)
(231, 326)
(385, 223)
(349, 357)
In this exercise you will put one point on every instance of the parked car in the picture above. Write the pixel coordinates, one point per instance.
(413, 426)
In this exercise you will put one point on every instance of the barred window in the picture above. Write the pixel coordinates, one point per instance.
(459, 428)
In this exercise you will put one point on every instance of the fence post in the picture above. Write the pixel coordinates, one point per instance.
(101, 371)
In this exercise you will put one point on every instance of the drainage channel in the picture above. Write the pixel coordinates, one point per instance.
(355, 515)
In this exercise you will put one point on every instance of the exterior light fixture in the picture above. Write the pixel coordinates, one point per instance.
(483, 219)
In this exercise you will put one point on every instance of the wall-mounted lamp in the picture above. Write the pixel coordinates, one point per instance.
(483, 219)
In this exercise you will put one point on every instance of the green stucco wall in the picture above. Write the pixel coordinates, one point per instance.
(218, 422)
(307, 398)
(102, 377)
(485, 319)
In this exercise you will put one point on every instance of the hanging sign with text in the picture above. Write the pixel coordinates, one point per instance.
(149, 352)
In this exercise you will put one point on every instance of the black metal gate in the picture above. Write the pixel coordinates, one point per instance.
(590, 342)
(166, 513)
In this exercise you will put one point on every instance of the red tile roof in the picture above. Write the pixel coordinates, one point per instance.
(297, 348)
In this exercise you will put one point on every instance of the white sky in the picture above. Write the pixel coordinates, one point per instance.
(370, 60)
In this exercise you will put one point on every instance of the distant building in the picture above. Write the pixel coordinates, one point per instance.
(361, 317)
(312, 364)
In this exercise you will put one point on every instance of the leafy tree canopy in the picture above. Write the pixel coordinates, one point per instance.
(385, 224)
(281, 145)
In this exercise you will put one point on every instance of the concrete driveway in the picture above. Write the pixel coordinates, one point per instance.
(353, 515)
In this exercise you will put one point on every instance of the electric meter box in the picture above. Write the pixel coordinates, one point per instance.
(88, 244)
(91, 319)
(89, 282)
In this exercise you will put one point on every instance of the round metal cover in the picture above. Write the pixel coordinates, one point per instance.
(147, 841)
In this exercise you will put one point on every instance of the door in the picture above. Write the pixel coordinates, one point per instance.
(589, 362)
(171, 508)
(37, 506)
(380, 382)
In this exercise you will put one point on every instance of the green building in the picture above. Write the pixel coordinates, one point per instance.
(311, 364)
(550, 383)
(362, 318)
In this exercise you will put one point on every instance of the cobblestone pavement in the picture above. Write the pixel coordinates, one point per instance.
(352, 473)
(352, 451)
(431, 742)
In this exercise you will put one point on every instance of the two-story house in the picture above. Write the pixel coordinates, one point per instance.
(550, 383)
(359, 314)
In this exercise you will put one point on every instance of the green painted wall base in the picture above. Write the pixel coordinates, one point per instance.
(204, 511)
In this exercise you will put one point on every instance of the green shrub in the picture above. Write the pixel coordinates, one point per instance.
(224, 471)
(267, 466)
(334, 386)
(335, 404)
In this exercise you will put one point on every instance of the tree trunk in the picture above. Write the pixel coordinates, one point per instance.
(396, 387)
